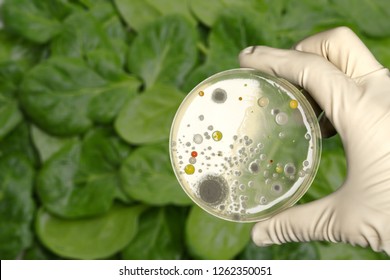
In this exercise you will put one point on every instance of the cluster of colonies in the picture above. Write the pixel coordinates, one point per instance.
(216, 135)
(248, 159)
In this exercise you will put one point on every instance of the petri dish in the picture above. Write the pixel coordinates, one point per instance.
(245, 145)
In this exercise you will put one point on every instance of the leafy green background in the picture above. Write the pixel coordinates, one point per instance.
(88, 89)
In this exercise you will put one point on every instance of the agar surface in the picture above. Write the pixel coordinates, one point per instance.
(248, 145)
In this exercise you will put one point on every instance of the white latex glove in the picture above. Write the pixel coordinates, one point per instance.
(353, 89)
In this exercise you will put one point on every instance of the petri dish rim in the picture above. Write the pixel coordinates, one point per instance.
(312, 122)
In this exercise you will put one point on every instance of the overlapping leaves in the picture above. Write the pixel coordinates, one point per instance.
(88, 90)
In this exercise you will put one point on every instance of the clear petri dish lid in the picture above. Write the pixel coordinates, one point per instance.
(245, 145)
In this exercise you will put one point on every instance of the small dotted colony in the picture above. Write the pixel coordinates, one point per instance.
(218, 96)
(235, 174)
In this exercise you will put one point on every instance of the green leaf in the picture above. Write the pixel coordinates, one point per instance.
(147, 118)
(38, 252)
(371, 17)
(199, 74)
(13, 48)
(113, 27)
(159, 236)
(275, 22)
(283, 29)
(17, 158)
(331, 172)
(65, 97)
(231, 33)
(139, 13)
(18, 142)
(92, 238)
(343, 251)
(13, 63)
(81, 33)
(121, 196)
(380, 48)
(91, 3)
(81, 179)
(11, 75)
(208, 11)
(107, 64)
(34, 20)
(147, 176)
(208, 237)
(288, 251)
(164, 51)
(10, 115)
(46, 144)
(84, 32)
(16, 205)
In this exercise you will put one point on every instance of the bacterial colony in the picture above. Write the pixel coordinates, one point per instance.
(244, 146)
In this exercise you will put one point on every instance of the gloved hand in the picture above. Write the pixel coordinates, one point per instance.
(353, 89)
